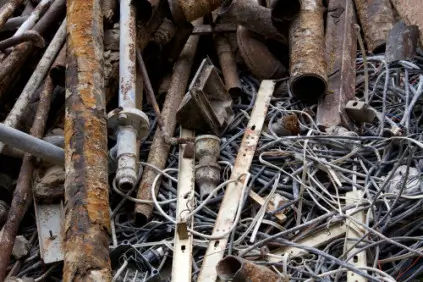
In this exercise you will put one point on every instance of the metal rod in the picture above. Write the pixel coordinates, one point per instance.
(159, 148)
(34, 146)
(7, 10)
(22, 197)
(87, 216)
(34, 17)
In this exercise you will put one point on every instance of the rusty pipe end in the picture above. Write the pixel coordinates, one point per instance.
(228, 267)
(308, 87)
(283, 10)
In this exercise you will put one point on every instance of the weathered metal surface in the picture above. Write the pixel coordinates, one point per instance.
(402, 42)
(207, 171)
(189, 10)
(238, 269)
(57, 70)
(109, 7)
(307, 45)
(48, 184)
(376, 18)
(145, 8)
(261, 62)
(207, 105)
(359, 111)
(411, 13)
(254, 17)
(49, 223)
(341, 49)
(159, 149)
(228, 65)
(217, 28)
(4, 210)
(164, 33)
(29, 35)
(7, 10)
(182, 255)
(22, 196)
(173, 49)
(234, 191)
(283, 12)
(87, 218)
(34, 17)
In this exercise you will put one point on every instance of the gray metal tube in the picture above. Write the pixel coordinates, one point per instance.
(34, 146)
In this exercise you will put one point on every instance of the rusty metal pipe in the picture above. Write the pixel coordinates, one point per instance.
(377, 19)
(14, 23)
(228, 65)
(261, 62)
(22, 197)
(237, 269)
(57, 70)
(29, 35)
(189, 10)
(307, 47)
(7, 10)
(254, 17)
(159, 148)
(164, 33)
(87, 218)
(411, 13)
(341, 49)
(34, 17)
(402, 42)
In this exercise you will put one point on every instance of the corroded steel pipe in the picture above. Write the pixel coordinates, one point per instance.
(57, 70)
(159, 149)
(228, 65)
(254, 17)
(87, 219)
(341, 48)
(189, 10)
(411, 12)
(22, 197)
(377, 19)
(261, 62)
(307, 47)
(7, 10)
(237, 269)
(34, 17)
(29, 35)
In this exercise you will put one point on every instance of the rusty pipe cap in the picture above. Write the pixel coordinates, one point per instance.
(207, 146)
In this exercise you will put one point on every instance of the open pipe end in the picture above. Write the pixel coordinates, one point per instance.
(140, 219)
(228, 267)
(308, 87)
(283, 10)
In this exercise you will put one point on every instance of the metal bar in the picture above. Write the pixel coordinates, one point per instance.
(7, 10)
(341, 49)
(182, 254)
(32, 145)
(87, 217)
(22, 197)
(410, 11)
(228, 208)
(377, 19)
(159, 149)
(34, 17)
(36, 79)
(307, 64)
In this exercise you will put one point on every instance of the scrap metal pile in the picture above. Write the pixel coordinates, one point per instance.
(208, 140)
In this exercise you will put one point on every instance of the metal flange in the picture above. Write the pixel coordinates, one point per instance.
(128, 117)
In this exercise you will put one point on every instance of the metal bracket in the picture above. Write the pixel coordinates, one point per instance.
(359, 111)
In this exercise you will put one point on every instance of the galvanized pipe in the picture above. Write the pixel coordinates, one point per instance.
(307, 48)
(159, 148)
(377, 19)
(87, 217)
(129, 122)
(34, 146)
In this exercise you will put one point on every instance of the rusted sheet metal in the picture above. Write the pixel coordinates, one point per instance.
(402, 42)
(307, 46)
(87, 218)
(258, 58)
(376, 18)
(29, 35)
(57, 70)
(7, 10)
(22, 197)
(411, 12)
(189, 10)
(341, 48)
(159, 149)
(237, 269)
(228, 65)
(254, 17)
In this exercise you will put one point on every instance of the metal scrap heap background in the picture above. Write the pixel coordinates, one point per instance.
(211, 140)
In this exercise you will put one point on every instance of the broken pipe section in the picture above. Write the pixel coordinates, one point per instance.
(376, 18)
(237, 269)
(307, 48)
